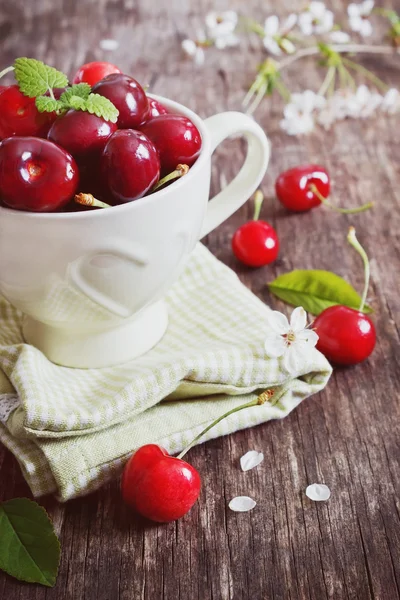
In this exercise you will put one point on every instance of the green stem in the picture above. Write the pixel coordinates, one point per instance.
(180, 171)
(381, 85)
(258, 200)
(90, 200)
(282, 90)
(51, 94)
(260, 94)
(327, 81)
(5, 71)
(343, 211)
(332, 82)
(262, 398)
(353, 241)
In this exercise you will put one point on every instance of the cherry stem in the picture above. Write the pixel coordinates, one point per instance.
(180, 171)
(258, 200)
(353, 241)
(5, 71)
(90, 200)
(344, 211)
(261, 399)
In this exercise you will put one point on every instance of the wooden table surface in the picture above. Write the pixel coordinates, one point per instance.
(288, 548)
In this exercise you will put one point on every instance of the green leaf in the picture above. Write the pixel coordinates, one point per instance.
(29, 547)
(35, 78)
(82, 90)
(102, 107)
(315, 290)
(77, 103)
(46, 104)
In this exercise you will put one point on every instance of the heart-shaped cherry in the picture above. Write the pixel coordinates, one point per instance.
(36, 175)
(84, 135)
(130, 165)
(93, 72)
(347, 336)
(159, 486)
(256, 243)
(306, 186)
(128, 97)
(176, 138)
(19, 115)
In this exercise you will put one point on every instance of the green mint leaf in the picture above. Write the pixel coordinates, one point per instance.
(29, 548)
(102, 107)
(315, 290)
(35, 78)
(46, 104)
(82, 90)
(77, 103)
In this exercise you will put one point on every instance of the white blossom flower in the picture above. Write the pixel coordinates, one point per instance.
(194, 51)
(275, 39)
(336, 108)
(363, 103)
(292, 341)
(221, 27)
(391, 101)
(339, 37)
(299, 113)
(109, 44)
(358, 17)
(316, 19)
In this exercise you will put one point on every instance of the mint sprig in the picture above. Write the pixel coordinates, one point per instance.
(35, 78)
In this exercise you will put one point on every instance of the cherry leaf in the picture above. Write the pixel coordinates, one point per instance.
(318, 492)
(251, 459)
(242, 504)
(29, 548)
(315, 290)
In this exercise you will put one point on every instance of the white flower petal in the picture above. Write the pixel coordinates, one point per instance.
(317, 9)
(318, 492)
(277, 321)
(305, 23)
(294, 357)
(352, 10)
(189, 46)
(108, 44)
(275, 345)
(366, 28)
(242, 504)
(271, 25)
(289, 23)
(251, 459)
(339, 37)
(367, 6)
(199, 57)
(308, 336)
(298, 320)
(272, 46)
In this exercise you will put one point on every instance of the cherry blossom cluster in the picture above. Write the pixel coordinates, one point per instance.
(311, 33)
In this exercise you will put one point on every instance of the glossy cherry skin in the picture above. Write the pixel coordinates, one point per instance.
(159, 486)
(156, 109)
(36, 175)
(19, 115)
(130, 165)
(176, 138)
(81, 133)
(94, 72)
(292, 187)
(346, 336)
(128, 97)
(256, 244)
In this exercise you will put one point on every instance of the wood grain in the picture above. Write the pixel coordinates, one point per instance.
(288, 548)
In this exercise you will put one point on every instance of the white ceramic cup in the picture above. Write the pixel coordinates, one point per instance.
(90, 284)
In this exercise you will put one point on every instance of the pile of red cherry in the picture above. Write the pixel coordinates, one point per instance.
(45, 158)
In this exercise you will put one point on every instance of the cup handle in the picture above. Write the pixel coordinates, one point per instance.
(224, 204)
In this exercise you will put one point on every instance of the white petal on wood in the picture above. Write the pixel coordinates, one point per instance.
(251, 459)
(242, 504)
(318, 492)
(108, 44)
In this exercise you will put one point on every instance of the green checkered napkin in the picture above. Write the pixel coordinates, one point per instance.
(71, 430)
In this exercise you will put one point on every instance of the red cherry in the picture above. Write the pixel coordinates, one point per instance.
(81, 133)
(346, 336)
(130, 165)
(93, 72)
(2, 88)
(159, 486)
(128, 97)
(255, 244)
(156, 108)
(19, 115)
(293, 187)
(176, 138)
(36, 174)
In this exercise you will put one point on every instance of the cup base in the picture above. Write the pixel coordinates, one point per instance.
(96, 350)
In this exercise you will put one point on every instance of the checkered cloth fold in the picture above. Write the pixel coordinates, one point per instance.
(71, 429)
